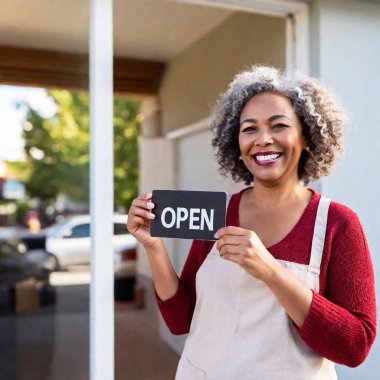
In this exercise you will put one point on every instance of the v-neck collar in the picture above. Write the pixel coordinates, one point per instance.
(233, 215)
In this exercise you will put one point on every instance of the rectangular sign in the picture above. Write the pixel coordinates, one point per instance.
(188, 214)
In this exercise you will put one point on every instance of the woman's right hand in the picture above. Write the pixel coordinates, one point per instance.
(139, 218)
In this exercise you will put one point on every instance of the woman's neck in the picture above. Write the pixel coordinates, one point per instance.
(262, 196)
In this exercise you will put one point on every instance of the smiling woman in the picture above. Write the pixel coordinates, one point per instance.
(302, 100)
(287, 290)
(268, 120)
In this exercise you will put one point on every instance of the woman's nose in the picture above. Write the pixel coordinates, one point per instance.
(263, 138)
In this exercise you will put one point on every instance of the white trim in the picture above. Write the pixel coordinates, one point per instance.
(278, 8)
(297, 41)
(101, 194)
(199, 126)
(290, 40)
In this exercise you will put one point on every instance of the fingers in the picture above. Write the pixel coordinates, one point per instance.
(231, 253)
(147, 196)
(142, 205)
(228, 249)
(143, 202)
(229, 240)
(140, 212)
(234, 258)
(230, 230)
(131, 227)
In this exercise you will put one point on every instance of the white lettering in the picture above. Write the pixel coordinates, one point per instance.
(182, 214)
(205, 218)
(194, 218)
(163, 221)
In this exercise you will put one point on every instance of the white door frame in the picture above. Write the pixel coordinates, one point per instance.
(101, 191)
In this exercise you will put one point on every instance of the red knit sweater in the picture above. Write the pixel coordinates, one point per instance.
(341, 323)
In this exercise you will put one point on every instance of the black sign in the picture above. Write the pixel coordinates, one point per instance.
(188, 214)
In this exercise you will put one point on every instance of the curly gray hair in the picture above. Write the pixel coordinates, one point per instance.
(320, 114)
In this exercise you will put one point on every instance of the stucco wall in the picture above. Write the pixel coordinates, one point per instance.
(195, 78)
(345, 40)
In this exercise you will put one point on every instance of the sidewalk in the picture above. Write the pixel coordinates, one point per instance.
(53, 344)
(140, 353)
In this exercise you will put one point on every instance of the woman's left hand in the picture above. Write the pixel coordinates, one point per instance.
(245, 248)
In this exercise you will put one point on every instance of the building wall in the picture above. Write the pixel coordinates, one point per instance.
(345, 37)
(196, 77)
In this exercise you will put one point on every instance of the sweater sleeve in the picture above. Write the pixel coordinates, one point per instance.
(341, 325)
(178, 310)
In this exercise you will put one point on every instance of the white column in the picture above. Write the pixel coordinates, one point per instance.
(101, 191)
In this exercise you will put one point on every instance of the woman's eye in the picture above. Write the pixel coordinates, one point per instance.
(249, 129)
(279, 126)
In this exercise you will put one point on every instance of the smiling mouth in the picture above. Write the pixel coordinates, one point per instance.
(267, 159)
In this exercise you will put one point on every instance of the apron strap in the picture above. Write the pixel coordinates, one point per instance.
(319, 235)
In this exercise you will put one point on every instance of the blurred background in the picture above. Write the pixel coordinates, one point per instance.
(172, 58)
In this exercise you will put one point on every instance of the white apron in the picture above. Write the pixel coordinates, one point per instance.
(239, 330)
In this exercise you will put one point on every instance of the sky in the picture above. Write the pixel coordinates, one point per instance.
(11, 144)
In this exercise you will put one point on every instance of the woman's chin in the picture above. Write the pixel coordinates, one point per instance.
(269, 177)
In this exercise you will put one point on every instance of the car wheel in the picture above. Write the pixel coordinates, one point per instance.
(52, 263)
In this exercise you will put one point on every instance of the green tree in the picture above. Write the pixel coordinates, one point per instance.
(57, 149)
(126, 163)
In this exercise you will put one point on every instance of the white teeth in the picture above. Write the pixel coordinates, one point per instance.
(267, 157)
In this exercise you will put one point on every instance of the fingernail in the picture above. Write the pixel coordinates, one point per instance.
(152, 216)
(216, 236)
(150, 205)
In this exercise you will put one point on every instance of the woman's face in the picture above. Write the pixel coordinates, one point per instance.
(270, 138)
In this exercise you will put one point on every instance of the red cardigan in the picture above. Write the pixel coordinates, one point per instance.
(341, 323)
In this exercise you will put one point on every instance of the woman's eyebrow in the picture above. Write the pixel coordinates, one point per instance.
(274, 117)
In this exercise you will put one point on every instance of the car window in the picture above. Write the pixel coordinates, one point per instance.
(79, 231)
(55, 229)
(120, 229)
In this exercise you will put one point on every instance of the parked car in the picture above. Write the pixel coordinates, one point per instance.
(17, 264)
(14, 250)
(34, 240)
(70, 243)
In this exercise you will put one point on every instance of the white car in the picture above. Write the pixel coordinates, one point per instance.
(69, 241)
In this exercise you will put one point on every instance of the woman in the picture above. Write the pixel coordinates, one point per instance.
(288, 288)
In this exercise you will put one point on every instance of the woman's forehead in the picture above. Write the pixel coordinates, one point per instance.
(267, 104)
